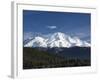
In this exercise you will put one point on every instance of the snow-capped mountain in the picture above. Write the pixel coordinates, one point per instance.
(57, 39)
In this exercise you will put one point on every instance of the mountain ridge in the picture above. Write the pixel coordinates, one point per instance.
(57, 39)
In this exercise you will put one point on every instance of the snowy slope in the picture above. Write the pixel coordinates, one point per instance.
(36, 42)
(57, 39)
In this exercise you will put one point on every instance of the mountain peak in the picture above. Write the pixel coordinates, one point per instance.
(58, 35)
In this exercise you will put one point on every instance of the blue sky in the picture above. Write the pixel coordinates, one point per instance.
(45, 22)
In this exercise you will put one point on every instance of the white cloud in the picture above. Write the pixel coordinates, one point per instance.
(85, 36)
(79, 34)
(52, 27)
(28, 35)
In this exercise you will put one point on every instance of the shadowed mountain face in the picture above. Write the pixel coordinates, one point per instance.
(40, 57)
